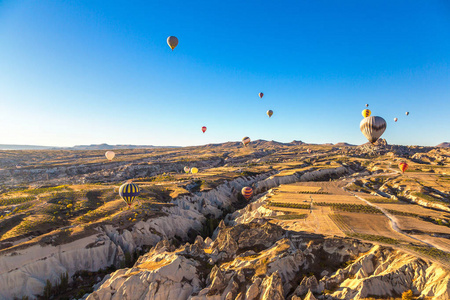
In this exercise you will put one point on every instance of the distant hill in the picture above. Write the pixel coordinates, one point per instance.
(344, 145)
(80, 147)
(444, 145)
(24, 147)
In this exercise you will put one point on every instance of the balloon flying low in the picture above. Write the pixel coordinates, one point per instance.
(128, 192)
(270, 113)
(246, 140)
(309, 150)
(110, 155)
(403, 166)
(261, 95)
(372, 128)
(204, 129)
(194, 170)
(247, 192)
(395, 119)
(187, 169)
(366, 113)
(172, 41)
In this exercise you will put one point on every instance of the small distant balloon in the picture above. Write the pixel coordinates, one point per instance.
(204, 129)
(403, 166)
(407, 113)
(247, 192)
(270, 113)
(366, 113)
(261, 95)
(395, 119)
(372, 128)
(367, 105)
(110, 155)
(128, 192)
(187, 169)
(246, 141)
(194, 170)
(309, 150)
(172, 41)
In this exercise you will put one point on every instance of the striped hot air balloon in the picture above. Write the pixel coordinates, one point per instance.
(372, 128)
(246, 141)
(204, 129)
(366, 113)
(403, 166)
(270, 113)
(128, 191)
(261, 95)
(187, 169)
(247, 192)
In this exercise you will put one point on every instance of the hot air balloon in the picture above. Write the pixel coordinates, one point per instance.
(366, 113)
(261, 95)
(403, 166)
(187, 169)
(270, 113)
(367, 105)
(128, 191)
(407, 113)
(372, 128)
(172, 41)
(309, 150)
(247, 192)
(194, 170)
(204, 129)
(246, 140)
(110, 155)
(395, 119)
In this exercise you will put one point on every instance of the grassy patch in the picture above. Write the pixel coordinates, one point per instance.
(375, 238)
(292, 217)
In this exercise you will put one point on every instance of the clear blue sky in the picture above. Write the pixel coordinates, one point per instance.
(82, 72)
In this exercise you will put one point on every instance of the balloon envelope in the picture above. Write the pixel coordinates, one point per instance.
(247, 192)
(372, 128)
(194, 170)
(110, 155)
(395, 119)
(407, 113)
(172, 41)
(128, 191)
(204, 129)
(261, 95)
(309, 150)
(403, 166)
(366, 113)
(246, 140)
(270, 113)
(367, 105)
(187, 169)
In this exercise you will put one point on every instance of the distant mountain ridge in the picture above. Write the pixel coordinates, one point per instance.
(80, 147)
(444, 145)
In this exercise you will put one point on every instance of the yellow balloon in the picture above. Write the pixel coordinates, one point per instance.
(194, 170)
(366, 113)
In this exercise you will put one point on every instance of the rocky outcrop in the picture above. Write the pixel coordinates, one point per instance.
(259, 260)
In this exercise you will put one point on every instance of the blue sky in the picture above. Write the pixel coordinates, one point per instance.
(86, 72)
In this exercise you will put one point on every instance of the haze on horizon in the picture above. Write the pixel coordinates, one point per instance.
(101, 72)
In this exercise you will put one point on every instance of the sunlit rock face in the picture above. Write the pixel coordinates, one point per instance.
(259, 260)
